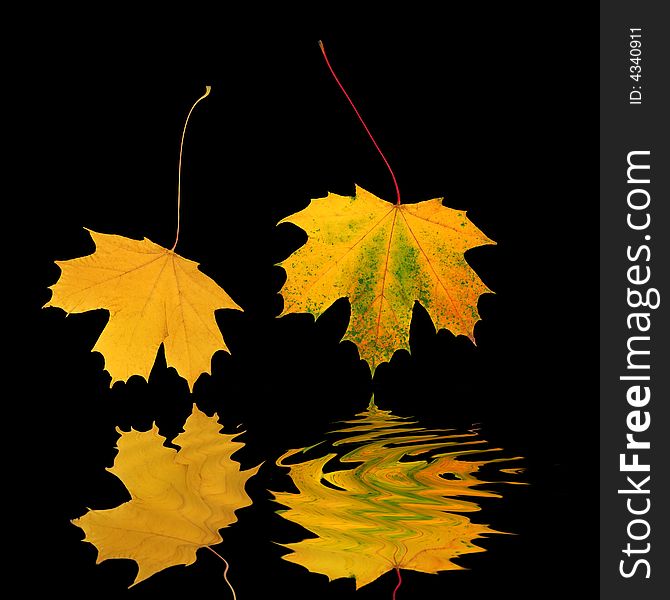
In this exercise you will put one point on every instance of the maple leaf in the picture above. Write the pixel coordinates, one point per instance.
(179, 499)
(384, 257)
(154, 296)
(394, 509)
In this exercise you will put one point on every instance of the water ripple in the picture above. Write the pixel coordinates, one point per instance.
(399, 503)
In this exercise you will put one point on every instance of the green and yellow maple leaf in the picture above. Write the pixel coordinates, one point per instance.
(383, 257)
(395, 508)
(154, 296)
(179, 499)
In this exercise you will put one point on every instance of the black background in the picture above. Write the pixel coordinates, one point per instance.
(486, 109)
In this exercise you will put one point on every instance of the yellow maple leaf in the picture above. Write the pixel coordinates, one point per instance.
(383, 257)
(154, 296)
(394, 508)
(179, 499)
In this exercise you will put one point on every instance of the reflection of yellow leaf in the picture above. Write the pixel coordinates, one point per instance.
(399, 507)
(179, 499)
(154, 297)
(383, 257)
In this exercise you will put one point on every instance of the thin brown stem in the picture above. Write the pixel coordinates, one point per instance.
(181, 149)
(225, 572)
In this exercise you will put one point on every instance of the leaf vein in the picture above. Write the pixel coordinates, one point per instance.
(336, 261)
(437, 277)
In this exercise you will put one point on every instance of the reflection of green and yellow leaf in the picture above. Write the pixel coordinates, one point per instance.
(399, 507)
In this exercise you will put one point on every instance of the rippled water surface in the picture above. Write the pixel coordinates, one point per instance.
(391, 494)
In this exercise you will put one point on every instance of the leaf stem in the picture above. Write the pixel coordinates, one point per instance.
(225, 572)
(181, 149)
(397, 587)
(397, 189)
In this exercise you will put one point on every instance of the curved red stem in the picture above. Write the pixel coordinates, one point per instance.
(397, 587)
(397, 189)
